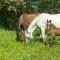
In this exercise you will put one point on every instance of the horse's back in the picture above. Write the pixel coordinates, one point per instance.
(55, 16)
(27, 19)
(55, 20)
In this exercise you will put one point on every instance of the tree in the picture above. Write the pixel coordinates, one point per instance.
(10, 10)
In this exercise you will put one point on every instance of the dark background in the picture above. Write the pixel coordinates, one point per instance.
(10, 10)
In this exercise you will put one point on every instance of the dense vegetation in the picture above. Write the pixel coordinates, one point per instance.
(10, 10)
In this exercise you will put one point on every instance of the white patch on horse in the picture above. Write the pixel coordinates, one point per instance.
(55, 20)
(41, 22)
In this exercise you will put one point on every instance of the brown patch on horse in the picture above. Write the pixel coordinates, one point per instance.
(22, 35)
(27, 19)
(24, 21)
(53, 28)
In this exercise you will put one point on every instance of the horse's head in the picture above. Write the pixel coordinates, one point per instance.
(49, 25)
(28, 35)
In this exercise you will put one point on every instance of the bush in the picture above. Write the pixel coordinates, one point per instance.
(11, 10)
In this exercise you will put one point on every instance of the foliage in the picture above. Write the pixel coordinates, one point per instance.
(10, 10)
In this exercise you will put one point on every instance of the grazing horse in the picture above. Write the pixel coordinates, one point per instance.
(54, 31)
(41, 22)
(23, 23)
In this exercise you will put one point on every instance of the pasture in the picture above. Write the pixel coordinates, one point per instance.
(10, 49)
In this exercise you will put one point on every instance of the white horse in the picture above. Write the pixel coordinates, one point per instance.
(55, 20)
(41, 22)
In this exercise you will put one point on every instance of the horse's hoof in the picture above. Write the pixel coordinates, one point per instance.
(45, 42)
(41, 40)
(53, 42)
(50, 45)
(27, 41)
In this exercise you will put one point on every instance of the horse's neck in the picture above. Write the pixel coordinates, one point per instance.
(32, 26)
(53, 26)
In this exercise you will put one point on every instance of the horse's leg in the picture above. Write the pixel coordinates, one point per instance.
(32, 32)
(53, 37)
(40, 35)
(41, 38)
(17, 31)
(43, 34)
(17, 34)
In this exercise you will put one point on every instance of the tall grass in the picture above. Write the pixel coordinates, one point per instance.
(10, 49)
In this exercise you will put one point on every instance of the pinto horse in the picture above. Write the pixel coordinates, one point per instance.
(54, 31)
(41, 22)
(23, 23)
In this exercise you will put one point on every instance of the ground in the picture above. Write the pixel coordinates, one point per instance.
(10, 49)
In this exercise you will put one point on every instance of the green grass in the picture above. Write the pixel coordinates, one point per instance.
(10, 49)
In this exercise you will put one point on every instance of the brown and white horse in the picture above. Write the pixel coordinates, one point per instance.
(28, 23)
(54, 31)
(23, 23)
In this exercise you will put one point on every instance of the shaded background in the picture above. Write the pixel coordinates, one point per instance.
(10, 10)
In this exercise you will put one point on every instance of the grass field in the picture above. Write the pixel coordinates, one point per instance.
(10, 49)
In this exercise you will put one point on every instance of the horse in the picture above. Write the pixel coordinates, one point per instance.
(23, 22)
(54, 31)
(41, 22)
(55, 20)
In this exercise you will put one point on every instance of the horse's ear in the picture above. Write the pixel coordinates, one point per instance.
(47, 20)
(50, 20)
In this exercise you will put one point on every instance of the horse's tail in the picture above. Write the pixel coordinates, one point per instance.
(19, 21)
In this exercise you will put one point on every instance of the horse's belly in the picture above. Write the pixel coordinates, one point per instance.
(56, 23)
(57, 31)
(56, 20)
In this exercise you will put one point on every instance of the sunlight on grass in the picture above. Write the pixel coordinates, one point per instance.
(10, 49)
